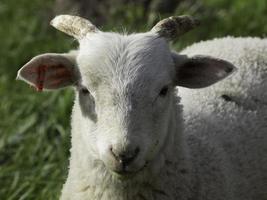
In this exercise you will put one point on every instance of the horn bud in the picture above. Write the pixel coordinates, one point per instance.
(175, 26)
(75, 26)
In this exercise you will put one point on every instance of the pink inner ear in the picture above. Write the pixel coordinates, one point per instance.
(40, 77)
(58, 76)
(48, 76)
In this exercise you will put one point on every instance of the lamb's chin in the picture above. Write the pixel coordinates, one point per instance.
(129, 177)
(124, 175)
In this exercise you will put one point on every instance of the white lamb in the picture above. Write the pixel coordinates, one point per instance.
(129, 139)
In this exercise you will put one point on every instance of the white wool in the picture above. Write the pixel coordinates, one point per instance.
(218, 153)
(237, 126)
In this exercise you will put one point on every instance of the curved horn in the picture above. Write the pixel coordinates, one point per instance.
(75, 26)
(175, 26)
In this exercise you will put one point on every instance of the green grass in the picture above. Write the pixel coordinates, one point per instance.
(34, 127)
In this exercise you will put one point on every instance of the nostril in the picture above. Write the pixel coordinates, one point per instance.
(112, 152)
(136, 151)
(125, 158)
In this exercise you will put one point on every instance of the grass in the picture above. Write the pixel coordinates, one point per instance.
(34, 127)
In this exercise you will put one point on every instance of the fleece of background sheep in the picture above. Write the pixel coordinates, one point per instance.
(238, 126)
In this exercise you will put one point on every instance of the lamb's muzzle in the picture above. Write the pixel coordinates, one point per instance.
(124, 158)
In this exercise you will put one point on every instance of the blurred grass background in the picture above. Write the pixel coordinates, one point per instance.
(34, 127)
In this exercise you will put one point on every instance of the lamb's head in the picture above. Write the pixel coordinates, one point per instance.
(125, 87)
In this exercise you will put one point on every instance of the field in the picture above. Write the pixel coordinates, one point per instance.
(34, 127)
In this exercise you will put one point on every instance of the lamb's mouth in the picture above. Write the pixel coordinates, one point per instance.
(126, 174)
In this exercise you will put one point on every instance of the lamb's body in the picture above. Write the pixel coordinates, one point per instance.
(224, 156)
(131, 139)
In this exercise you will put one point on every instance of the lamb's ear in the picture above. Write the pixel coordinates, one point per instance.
(200, 71)
(50, 71)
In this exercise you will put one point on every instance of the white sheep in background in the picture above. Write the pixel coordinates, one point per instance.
(232, 114)
(129, 139)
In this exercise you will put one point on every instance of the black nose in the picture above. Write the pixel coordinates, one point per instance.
(126, 157)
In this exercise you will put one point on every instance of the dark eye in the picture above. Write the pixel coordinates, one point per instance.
(163, 92)
(84, 91)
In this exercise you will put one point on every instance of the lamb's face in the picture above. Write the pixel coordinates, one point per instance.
(129, 80)
(125, 87)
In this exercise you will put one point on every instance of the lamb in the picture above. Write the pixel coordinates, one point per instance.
(136, 137)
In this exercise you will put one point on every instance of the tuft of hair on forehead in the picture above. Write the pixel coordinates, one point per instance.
(123, 57)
